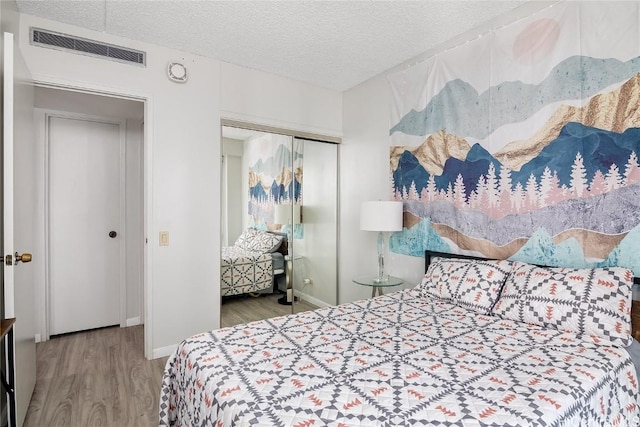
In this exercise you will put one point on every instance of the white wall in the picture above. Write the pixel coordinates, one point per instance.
(267, 99)
(364, 168)
(364, 175)
(182, 138)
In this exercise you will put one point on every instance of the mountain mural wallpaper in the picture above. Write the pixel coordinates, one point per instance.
(275, 177)
(524, 143)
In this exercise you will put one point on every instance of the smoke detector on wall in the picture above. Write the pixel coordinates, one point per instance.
(177, 72)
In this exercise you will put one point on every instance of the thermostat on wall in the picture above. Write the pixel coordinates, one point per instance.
(177, 72)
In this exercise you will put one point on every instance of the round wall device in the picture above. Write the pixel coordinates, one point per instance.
(177, 72)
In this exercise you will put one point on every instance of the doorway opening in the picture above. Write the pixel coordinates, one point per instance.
(91, 182)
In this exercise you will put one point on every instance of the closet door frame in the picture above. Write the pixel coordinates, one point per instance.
(294, 134)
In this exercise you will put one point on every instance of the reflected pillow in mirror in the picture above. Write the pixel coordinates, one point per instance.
(261, 241)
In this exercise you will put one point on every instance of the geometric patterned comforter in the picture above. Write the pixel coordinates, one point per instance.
(396, 360)
(243, 271)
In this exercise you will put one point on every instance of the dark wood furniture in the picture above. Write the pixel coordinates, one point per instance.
(6, 330)
(635, 304)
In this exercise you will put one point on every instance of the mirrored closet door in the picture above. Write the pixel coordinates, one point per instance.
(315, 264)
(279, 225)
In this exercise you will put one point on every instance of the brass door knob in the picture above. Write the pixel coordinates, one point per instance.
(25, 257)
(15, 259)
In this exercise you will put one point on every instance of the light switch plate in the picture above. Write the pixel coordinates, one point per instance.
(164, 238)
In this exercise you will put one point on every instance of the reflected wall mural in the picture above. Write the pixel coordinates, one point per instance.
(275, 177)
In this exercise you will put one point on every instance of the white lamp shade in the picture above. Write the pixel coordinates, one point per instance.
(282, 214)
(381, 216)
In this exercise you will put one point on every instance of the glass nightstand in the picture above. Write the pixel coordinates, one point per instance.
(377, 286)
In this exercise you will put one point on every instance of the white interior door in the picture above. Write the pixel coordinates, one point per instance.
(19, 218)
(85, 225)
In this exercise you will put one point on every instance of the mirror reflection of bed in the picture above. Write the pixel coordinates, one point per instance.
(279, 225)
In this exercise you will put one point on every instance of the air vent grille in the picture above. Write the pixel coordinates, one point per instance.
(65, 42)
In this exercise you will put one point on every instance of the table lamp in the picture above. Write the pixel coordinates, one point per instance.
(381, 216)
(285, 214)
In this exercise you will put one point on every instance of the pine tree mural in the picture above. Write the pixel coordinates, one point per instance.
(504, 190)
(532, 192)
(483, 194)
(473, 200)
(632, 169)
(613, 178)
(393, 183)
(413, 192)
(556, 193)
(518, 197)
(578, 176)
(459, 195)
(598, 184)
(424, 195)
(432, 191)
(492, 186)
(546, 185)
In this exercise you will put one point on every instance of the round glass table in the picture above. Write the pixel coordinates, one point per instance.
(376, 284)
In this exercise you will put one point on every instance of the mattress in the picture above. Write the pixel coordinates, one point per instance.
(243, 271)
(399, 359)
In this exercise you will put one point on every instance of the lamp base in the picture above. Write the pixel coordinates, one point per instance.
(283, 300)
(381, 279)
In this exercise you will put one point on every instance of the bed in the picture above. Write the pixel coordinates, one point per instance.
(447, 352)
(252, 263)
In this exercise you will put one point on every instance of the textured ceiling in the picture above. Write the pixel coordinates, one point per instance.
(333, 44)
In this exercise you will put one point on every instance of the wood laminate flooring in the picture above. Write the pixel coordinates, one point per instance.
(101, 378)
(96, 378)
(245, 308)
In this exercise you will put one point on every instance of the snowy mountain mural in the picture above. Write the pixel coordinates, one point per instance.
(533, 156)
(275, 177)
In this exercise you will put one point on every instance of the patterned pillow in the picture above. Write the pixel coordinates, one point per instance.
(473, 284)
(594, 302)
(258, 240)
(244, 241)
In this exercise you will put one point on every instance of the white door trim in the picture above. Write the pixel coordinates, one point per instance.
(122, 231)
(41, 80)
(7, 104)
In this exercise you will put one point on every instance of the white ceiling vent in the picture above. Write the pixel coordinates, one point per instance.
(51, 39)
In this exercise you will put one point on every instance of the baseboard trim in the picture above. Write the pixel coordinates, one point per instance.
(38, 339)
(133, 321)
(164, 351)
(311, 300)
